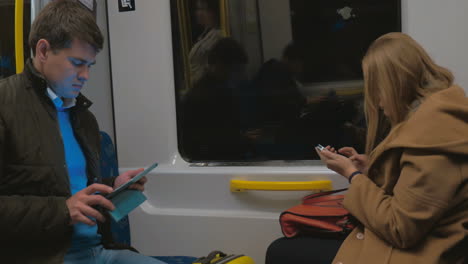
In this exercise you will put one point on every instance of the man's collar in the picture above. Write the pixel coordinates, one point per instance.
(37, 80)
(58, 102)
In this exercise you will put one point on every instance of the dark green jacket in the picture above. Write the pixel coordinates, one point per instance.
(34, 183)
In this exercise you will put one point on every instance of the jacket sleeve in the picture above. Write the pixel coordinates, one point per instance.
(426, 185)
(31, 218)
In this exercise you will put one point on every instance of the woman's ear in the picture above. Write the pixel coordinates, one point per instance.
(42, 48)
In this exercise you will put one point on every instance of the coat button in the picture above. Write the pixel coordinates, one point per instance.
(360, 236)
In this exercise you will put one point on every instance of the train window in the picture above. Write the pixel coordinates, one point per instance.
(261, 80)
(7, 36)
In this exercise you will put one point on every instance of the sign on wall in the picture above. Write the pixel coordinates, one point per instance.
(126, 5)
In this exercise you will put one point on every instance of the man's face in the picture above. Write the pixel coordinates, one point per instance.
(67, 69)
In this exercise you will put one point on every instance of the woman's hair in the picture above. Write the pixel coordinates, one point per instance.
(397, 72)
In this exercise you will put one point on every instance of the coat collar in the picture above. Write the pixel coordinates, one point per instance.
(438, 124)
(38, 82)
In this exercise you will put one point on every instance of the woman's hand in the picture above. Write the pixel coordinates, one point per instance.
(336, 162)
(359, 160)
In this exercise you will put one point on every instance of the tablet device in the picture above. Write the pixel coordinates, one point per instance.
(131, 181)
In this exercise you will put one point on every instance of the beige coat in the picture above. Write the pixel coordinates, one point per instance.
(413, 204)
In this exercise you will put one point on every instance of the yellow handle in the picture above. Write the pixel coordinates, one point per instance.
(19, 49)
(243, 185)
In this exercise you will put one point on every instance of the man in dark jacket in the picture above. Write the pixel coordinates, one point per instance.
(49, 149)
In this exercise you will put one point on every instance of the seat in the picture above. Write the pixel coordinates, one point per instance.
(110, 168)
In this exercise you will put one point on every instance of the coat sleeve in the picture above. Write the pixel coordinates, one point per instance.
(31, 218)
(427, 183)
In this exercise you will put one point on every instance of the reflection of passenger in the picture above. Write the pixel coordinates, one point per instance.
(291, 122)
(277, 83)
(279, 105)
(211, 122)
(332, 120)
(207, 15)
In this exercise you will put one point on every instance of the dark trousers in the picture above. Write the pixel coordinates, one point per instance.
(302, 250)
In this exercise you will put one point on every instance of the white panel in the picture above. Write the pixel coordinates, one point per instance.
(88, 3)
(143, 82)
(98, 88)
(275, 22)
(199, 235)
(441, 28)
(191, 211)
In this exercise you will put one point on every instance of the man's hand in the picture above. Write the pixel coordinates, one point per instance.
(126, 176)
(80, 204)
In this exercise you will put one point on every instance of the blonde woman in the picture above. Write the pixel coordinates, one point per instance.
(411, 193)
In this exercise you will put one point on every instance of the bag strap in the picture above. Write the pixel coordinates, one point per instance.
(320, 194)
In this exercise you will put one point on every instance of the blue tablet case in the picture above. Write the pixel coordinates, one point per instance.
(125, 202)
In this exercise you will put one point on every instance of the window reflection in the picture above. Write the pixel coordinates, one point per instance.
(211, 124)
(257, 82)
(207, 20)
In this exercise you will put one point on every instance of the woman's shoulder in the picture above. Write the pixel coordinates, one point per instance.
(454, 95)
(439, 123)
(447, 105)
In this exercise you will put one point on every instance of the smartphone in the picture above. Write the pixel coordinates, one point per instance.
(131, 181)
(320, 147)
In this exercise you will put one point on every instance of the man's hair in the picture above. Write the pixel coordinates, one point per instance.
(227, 52)
(62, 21)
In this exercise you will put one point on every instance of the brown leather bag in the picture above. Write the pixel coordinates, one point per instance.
(320, 214)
